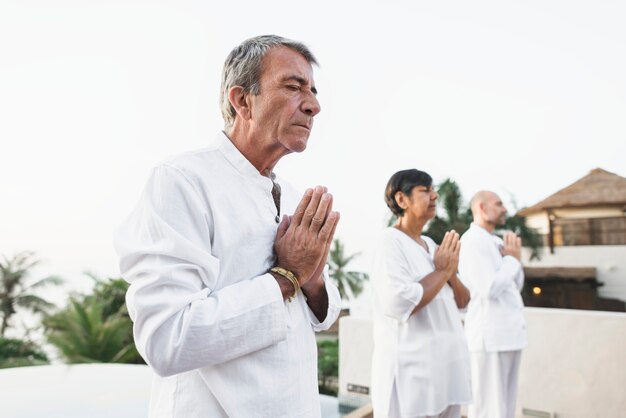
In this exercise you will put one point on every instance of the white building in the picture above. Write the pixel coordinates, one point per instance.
(584, 225)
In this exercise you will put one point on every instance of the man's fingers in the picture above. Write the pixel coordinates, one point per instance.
(512, 239)
(311, 208)
(324, 208)
(282, 228)
(518, 241)
(296, 219)
(328, 229)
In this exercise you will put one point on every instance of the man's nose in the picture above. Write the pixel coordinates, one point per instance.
(310, 105)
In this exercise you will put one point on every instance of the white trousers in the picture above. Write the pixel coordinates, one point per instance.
(452, 411)
(494, 384)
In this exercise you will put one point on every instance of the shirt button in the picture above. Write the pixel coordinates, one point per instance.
(277, 219)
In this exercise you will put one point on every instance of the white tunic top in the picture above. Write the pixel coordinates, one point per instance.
(424, 354)
(208, 318)
(495, 314)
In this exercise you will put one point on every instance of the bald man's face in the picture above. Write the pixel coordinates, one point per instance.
(494, 210)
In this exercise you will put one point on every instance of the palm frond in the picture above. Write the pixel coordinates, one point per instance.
(348, 283)
(46, 281)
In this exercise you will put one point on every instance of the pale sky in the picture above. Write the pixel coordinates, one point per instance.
(519, 97)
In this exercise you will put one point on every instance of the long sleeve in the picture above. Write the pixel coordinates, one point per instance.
(480, 272)
(399, 290)
(334, 306)
(519, 280)
(181, 320)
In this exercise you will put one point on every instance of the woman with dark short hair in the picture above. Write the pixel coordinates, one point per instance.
(421, 361)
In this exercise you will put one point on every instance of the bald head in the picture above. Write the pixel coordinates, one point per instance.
(488, 210)
(480, 198)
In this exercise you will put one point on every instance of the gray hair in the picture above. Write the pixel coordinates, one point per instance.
(243, 68)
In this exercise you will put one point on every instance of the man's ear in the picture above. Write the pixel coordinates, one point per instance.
(481, 207)
(239, 100)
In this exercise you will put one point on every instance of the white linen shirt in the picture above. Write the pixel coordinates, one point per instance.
(495, 314)
(425, 354)
(208, 318)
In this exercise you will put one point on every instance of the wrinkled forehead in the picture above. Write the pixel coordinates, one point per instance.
(284, 63)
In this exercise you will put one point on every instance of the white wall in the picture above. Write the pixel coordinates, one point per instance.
(574, 366)
(609, 261)
(355, 357)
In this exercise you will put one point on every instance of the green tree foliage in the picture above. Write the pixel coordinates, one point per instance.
(328, 366)
(343, 278)
(112, 294)
(16, 290)
(455, 215)
(95, 328)
(18, 353)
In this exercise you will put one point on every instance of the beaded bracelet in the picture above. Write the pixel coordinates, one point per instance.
(289, 276)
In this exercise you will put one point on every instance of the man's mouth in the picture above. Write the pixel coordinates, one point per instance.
(304, 125)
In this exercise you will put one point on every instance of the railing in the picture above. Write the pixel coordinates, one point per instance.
(592, 231)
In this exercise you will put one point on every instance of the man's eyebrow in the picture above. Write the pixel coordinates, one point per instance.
(300, 80)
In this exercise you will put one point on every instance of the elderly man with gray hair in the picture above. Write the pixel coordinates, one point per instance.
(227, 268)
(491, 269)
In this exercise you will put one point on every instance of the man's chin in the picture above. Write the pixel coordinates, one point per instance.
(298, 145)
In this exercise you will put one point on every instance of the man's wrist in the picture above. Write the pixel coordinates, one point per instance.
(285, 279)
(314, 287)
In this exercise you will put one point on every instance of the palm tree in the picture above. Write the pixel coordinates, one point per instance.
(95, 327)
(344, 279)
(14, 290)
(112, 293)
(455, 215)
(83, 334)
(19, 353)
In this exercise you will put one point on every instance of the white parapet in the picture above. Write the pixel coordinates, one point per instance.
(574, 366)
(355, 358)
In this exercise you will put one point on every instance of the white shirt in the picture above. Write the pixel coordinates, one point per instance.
(495, 314)
(424, 354)
(208, 318)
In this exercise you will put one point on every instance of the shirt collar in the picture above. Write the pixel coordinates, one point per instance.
(482, 230)
(236, 158)
(477, 227)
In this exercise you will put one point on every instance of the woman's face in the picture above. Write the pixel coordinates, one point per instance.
(420, 204)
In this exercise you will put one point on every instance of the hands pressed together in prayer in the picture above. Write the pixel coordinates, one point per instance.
(303, 241)
(512, 245)
(446, 257)
(446, 261)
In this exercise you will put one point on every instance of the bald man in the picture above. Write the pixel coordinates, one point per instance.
(491, 268)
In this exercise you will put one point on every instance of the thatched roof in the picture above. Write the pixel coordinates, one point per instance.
(598, 188)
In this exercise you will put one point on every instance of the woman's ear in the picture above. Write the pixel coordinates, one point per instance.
(400, 199)
(239, 101)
